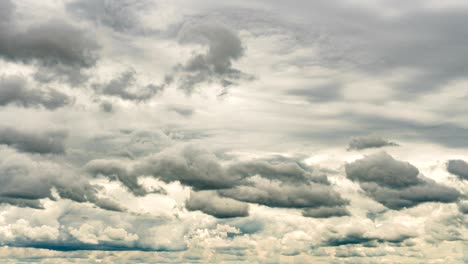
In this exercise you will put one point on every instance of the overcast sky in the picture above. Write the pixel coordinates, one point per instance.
(180, 131)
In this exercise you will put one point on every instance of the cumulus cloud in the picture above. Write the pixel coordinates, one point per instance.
(369, 142)
(210, 203)
(224, 47)
(458, 168)
(365, 232)
(14, 90)
(126, 87)
(57, 45)
(42, 143)
(396, 184)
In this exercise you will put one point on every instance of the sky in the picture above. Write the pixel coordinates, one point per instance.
(180, 131)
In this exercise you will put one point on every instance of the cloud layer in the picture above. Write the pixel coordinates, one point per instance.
(143, 131)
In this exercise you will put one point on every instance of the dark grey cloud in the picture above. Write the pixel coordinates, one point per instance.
(458, 168)
(20, 202)
(115, 170)
(15, 90)
(359, 237)
(276, 182)
(224, 47)
(408, 197)
(24, 181)
(463, 207)
(275, 194)
(396, 184)
(126, 87)
(41, 143)
(384, 170)
(284, 170)
(369, 142)
(325, 212)
(210, 203)
(191, 166)
(56, 45)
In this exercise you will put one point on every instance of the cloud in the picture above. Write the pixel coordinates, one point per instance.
(190, 165)
(369, 142)
(281, 169)
(56, 45)
(126, 87)
(366, 233)
(210, 203)
(463, 207)
(24, 181)
(14, 90)
(396, 184)
(408, 197)
(106, 107)
(182, 110)
(326, 212)
(278, 182)
(41, 143)
(224, 47)
(116, 170)
(384, 170)
(328, 92)
(119, 15)
(96, 234)
(277, 194)
(458, 168)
